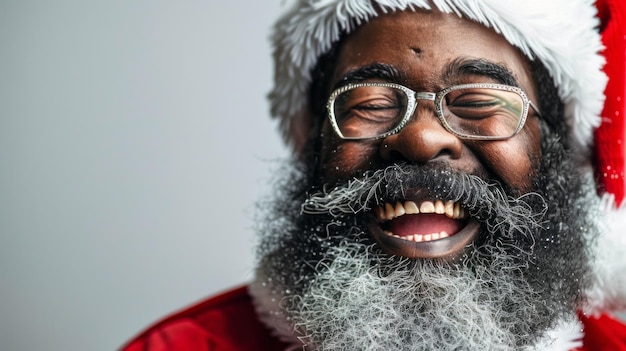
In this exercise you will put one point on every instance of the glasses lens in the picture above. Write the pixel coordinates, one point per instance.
(369, 111)
(483, 112)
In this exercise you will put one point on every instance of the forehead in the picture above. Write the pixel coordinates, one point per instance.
(422, 44)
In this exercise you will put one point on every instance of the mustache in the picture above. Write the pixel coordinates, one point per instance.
(486, 201)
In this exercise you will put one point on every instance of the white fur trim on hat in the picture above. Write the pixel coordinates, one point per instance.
(560, 33)
(608, 292)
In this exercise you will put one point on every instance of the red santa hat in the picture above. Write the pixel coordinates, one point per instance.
(609, 151)
(580, 43)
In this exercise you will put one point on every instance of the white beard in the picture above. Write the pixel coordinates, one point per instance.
(353, 306)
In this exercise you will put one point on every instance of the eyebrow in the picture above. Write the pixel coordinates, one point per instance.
(479, 67)
(381, 71)
(453, 73)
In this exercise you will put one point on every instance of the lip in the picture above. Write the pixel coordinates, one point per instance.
(448, 247)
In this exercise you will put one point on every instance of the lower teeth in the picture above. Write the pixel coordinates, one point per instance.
(420, 237)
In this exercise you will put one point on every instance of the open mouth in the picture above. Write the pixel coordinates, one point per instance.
(423, 229)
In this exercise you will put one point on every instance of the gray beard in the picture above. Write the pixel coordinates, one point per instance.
(322, 279)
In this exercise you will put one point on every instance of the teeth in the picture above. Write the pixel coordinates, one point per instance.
(427, 207)
(449, 208)
(418, 238)
(439, 208)
(390, 212)
(411, 208)
(399, 209)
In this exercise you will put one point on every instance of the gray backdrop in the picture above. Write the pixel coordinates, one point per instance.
(134, 138)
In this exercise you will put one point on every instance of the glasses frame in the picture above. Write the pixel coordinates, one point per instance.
(437, 98)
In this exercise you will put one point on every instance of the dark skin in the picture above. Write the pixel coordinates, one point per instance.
(425, 49)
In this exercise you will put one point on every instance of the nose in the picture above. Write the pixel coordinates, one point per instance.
(423, 139)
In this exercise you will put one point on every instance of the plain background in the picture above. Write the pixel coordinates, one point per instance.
(134, 139)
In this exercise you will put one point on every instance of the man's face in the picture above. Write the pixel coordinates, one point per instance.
(429, 52)
(504, 274)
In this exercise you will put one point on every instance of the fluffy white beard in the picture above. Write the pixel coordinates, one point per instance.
(425, 306)
(352, 306)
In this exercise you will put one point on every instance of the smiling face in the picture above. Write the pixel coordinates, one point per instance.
(427, 52)
(422, 239)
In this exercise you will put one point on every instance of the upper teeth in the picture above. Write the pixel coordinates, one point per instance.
(449, 208)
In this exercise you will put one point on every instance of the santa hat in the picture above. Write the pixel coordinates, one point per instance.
(579, 42)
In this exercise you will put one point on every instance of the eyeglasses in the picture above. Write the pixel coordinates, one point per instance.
(481, 111)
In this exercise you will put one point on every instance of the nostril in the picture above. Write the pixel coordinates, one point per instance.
(392, 155)
(444, 152)
(395, 156)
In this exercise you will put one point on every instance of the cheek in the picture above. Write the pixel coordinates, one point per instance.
(342, 159)
(515, 161)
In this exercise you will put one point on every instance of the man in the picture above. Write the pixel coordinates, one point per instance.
(441, 195)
